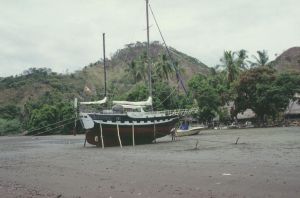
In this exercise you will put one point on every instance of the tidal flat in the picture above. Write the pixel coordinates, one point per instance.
(265, 162)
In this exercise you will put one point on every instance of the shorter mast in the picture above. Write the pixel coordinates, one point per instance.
(148, 52)
(104, 63)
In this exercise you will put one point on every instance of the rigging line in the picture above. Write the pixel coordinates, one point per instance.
(53, 128)
(167, 97)
(50, 125)
(168, 52)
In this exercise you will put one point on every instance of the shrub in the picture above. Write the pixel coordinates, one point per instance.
(8, 127)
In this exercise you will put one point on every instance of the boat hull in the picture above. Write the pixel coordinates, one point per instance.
(129, 133)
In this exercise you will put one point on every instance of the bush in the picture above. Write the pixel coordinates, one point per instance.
(8, 127)
(9, 112)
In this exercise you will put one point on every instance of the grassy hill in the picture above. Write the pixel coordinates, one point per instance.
(34, 83)
(288, 60)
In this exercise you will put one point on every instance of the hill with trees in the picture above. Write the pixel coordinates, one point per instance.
(39, 97)
(36, 97)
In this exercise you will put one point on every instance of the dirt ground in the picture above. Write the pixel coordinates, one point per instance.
(264, 163)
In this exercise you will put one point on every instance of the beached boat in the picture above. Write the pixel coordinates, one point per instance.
(128, 128)
(188, 132)
(127, 123)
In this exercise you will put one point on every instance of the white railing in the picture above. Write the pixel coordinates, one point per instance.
(179, 112)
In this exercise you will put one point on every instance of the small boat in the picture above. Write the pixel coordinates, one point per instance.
(186, 130)
(190, 131)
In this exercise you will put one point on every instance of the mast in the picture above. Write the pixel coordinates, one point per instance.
(148, 52)
(178, 76)
(104, 63)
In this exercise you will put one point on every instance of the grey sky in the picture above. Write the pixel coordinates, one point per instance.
(66, 34)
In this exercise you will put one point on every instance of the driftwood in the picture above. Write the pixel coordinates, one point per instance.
(236, 142)
(196, 146)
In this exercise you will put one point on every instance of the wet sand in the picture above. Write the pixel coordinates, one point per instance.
(264, 163)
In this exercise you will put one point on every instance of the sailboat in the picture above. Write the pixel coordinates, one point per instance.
(127, 123)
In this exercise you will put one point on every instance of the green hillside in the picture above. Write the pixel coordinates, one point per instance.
(35, 82)
(39, 97)
(25, 97)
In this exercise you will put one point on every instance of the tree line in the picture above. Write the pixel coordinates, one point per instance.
(254, 85)
(237, 82)
(246, 84)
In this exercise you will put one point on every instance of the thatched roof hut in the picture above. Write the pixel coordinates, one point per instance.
(293, 109)
(247, 114)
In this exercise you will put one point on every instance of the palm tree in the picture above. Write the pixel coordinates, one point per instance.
(261, 60)
(137, 69)
(230, 66)
(131, 69)
(234, 63)
(241, 59)
(163, 68)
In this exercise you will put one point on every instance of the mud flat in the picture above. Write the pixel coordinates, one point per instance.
(264, 163)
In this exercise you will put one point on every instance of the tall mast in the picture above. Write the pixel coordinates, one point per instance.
(148, 52)
(104, 63)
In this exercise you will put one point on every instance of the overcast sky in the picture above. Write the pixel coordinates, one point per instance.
(67, 34)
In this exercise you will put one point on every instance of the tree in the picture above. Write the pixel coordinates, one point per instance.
(260, 60)
(207, 97)
(290, 82)
(219, 82)
(164, 96)
(137, 69)
(138, 93)
(48, 109)
(267, 94)
(241, 59)
(12, 126)
(163, 68)
(9, 112)
(234, 63)
(43, 116)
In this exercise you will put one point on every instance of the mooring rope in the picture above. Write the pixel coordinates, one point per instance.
(29, 132)
(53, 128)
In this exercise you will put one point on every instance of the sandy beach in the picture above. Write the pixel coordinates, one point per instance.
(264, 163)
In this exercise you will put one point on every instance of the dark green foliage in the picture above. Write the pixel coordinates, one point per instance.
(48, 109)
(220, 83)
(267, 94)
(163, 68)
(9, 120)
(290, 83)
(207, 97)
(9, 112)
(163, 97)
(8, 127)
(139, 93)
